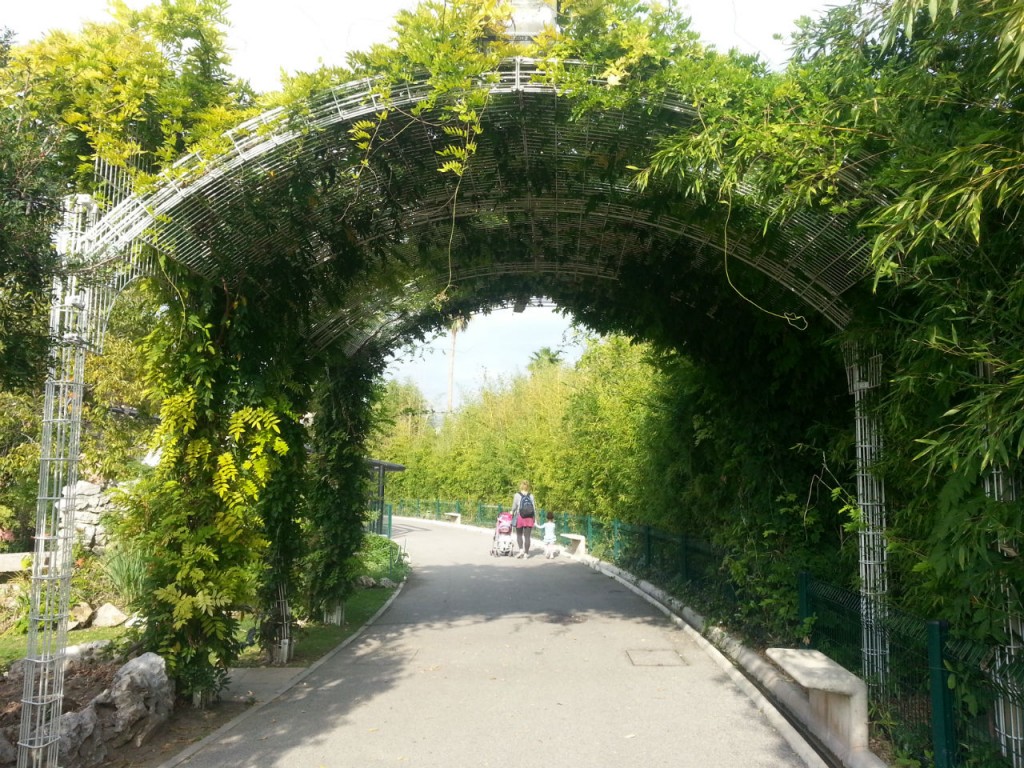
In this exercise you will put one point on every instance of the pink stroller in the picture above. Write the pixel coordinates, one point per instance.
(503, 543)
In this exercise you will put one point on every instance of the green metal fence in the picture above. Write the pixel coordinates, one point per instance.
(901, 706)
(643, 550)
(943, 700)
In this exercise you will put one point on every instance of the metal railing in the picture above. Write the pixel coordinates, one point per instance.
(643, 550)
(943, 698)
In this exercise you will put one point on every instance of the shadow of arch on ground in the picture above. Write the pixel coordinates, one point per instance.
(476, 653)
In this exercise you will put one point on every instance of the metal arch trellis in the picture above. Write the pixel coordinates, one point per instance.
(1002, 485)
(823, 266)
(79, 311)
(115, 249)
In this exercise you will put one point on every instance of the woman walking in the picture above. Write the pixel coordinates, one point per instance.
(523, 512)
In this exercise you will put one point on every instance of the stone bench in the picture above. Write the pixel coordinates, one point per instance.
(577, 544)
(454, 517)
(838, 698)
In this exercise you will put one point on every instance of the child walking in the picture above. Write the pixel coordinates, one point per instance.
(549, 536)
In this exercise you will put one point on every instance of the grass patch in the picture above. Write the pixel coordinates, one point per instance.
(379, 558)
(316, 640)
(13, 647)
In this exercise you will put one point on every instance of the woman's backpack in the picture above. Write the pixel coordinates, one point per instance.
(526, 506)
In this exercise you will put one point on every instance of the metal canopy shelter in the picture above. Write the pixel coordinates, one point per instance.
(380, 469)
(546, 201)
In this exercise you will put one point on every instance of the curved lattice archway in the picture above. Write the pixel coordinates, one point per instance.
(546, 207)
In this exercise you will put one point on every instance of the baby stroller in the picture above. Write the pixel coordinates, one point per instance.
(503, 543)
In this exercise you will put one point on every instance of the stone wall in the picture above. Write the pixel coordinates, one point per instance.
(91, 503)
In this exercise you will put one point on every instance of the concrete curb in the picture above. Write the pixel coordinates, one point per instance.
(187, 753)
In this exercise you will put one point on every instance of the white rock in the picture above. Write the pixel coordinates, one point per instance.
(140, 698)
(80, 616)
(87, 653)
(85, 488)
(16, 672)
(81, 742)
(108, 615)
(8, 752)
(86, 516)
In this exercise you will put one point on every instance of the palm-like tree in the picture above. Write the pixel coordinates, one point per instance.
(458, 324)
(544, 357)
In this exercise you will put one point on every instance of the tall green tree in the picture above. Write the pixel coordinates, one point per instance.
(542, 358)
(130, 94)
(197, 516)
(403, 434)
(119, 410)
(19, 468)
(31, 185)
(945, 128)
(125, 99)
(134, 92)
(30, 188)
(600, 455)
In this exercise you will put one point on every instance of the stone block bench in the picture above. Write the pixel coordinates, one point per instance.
(577, 544)
(838, 698)
(454, 517)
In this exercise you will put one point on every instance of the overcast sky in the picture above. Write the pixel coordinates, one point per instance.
(266, 37)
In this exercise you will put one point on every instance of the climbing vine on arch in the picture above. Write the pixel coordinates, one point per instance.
(223, 434)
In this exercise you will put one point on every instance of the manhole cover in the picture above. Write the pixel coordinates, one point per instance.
(655, 658)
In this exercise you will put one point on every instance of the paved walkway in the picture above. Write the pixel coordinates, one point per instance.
(503, 662)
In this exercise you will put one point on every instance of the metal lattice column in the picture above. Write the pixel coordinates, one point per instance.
(863, 375)
(52, 561)
(1009, 710)
(71, 327)
(1009, 706)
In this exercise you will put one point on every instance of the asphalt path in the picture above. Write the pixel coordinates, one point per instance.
(485, 661)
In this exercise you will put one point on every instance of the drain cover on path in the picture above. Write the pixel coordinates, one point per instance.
(655, 658)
